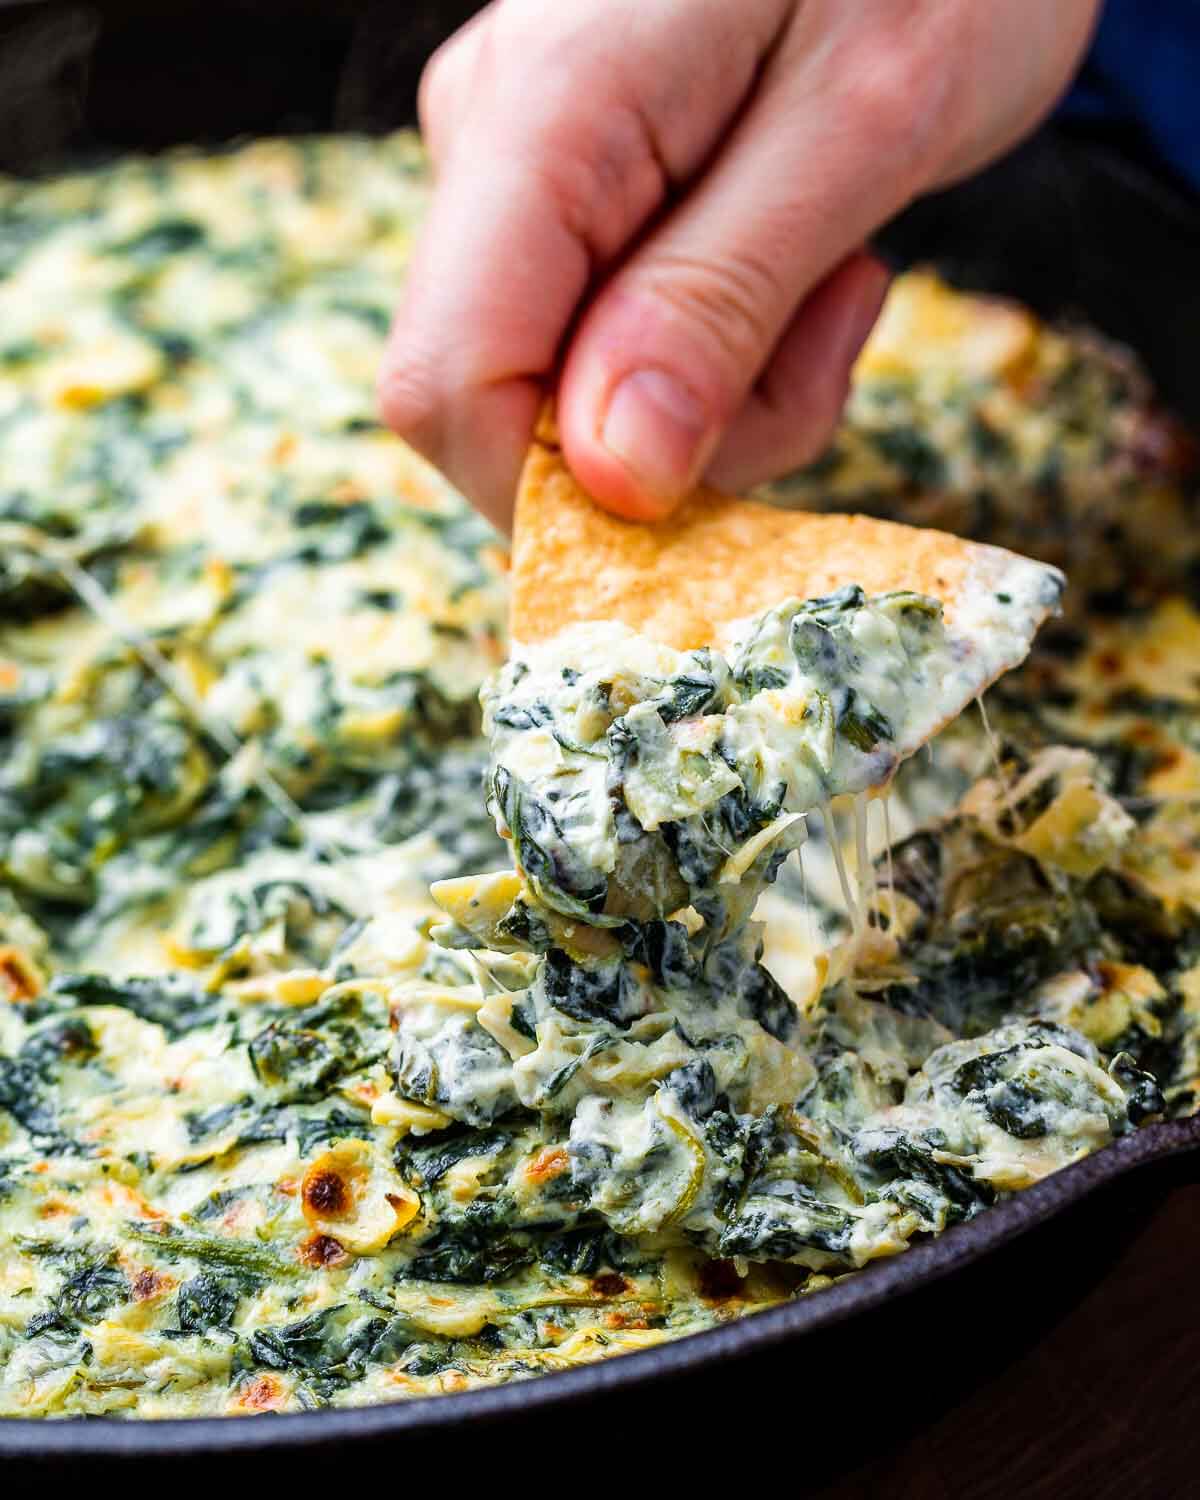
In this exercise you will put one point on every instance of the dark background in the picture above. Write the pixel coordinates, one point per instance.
(1074, 223)
(1065, 1366)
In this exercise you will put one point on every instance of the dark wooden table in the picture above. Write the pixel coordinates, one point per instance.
(1066, 1367)
(1096, 1396)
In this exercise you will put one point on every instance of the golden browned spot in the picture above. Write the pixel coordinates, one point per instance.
(719, 1281)
(19, 980)
(366, 1091)
(1109, 663)
(550, 1162)
(149, 1283)
(234, 1215)
(262, 1394)
(322, 1250)
(609, 1284)
(131, 1203)
(625, 1318)
(325, 1194)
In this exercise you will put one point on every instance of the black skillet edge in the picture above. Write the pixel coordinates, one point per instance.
(958, 1248)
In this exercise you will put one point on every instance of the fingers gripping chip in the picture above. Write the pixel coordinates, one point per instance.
(693, 579)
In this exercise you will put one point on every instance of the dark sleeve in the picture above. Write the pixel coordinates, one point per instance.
(1098, 216)
(1141, 80)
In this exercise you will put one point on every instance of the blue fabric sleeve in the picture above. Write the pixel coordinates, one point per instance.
(1143, 75)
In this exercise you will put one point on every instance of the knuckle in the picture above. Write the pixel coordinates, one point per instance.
(879, 89)
(568, 181)
(731, 300)
(600, 173)
(892, 98)
(583, 132)
(411, 402)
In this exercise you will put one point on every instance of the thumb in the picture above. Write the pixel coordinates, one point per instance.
(656, 439)
(725, 329)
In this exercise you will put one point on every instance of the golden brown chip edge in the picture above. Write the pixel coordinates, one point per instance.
(714, 561)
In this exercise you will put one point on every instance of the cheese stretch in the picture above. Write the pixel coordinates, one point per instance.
(279, 1130)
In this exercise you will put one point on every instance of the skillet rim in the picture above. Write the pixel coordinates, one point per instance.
(921, 1266)
(48, 1439)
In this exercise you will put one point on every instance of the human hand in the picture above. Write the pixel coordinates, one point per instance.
(665, 202)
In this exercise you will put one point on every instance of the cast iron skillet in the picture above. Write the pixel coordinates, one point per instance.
(1070, 224)
(532, 1410)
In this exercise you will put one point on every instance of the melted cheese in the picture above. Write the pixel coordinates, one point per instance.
(274, 1131)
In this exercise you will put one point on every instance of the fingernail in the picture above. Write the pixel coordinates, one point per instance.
(659, 431)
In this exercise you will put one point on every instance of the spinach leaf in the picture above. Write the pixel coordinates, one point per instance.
(341, 532)
(302, 1344)
(332, 1350)
(585, 1251)
(208, 1300)
(864, 727)
(912, 452)
(686, 696)
(169, 236)
(469, 1256)
(317, 1130)
(516, 716)
(167, 1000)
(22, 1095)
(563, 880)
(429, 1162)
(756, 679)
(299, 1058)
(224, 1252)
(90, 1291)
(895, 1154)
(1143, 1096)
(663, 947)
(603, 991)
(783, 1222)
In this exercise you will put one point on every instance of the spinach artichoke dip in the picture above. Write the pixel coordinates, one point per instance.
(279, 1130)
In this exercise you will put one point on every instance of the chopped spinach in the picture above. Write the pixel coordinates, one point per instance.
(208, 1300)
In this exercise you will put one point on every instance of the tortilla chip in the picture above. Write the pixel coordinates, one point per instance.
(718, 560)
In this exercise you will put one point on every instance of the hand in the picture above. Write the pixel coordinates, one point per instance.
(665, 201)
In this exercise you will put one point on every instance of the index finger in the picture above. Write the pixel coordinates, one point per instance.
(539, 189)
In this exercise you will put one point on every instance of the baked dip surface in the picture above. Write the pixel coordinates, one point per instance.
(278, 1130)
